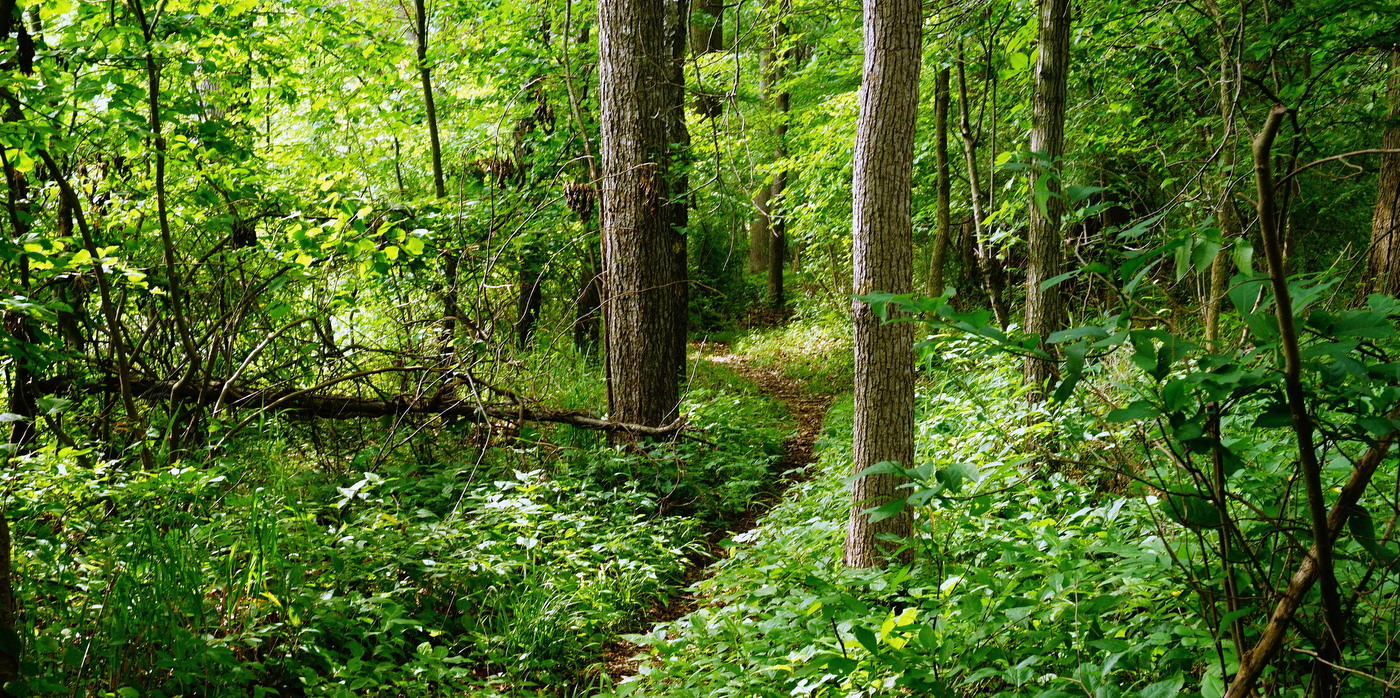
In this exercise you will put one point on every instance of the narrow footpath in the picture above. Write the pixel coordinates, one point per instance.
(799, 452)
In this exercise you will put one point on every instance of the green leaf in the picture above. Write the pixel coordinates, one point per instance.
(1191, 511)
(1136, 411)
(1073, 371)
(866, 639)
(1163, 689)
(887, 510)
(1076, 333)
(884, 467)
(953, 476)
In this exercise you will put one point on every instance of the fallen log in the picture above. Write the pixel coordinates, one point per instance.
(311, 403)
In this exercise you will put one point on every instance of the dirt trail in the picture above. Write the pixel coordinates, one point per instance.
(808, 411)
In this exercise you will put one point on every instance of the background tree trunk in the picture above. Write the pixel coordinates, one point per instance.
(1044, 307)
(641, 247)
(990, 267)
(420, 38)
(883, 260)
(777, 213)
(938, 256)
(759, 246)
(1385, 224)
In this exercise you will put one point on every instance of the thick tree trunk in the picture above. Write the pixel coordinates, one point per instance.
(938, 256)
(643, 251)
(883, 260)
(1385, 225)
(1044, 307)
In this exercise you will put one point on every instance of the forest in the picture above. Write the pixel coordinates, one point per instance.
(700, 348)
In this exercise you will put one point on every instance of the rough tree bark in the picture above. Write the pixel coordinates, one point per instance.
(1385, 224)
(1044, 307)
(643, 249)
(883, 260)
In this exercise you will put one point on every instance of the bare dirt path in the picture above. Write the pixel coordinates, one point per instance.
(807, 410)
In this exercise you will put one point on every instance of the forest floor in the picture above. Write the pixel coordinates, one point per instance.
(622, 658)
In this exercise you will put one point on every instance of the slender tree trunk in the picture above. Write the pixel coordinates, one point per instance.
(420, 36)
(583, 201)
(640, 198)
(1385, 224)
(760, 249)
(1044, 307)
(777, 208)
(23, 395)
(586, 308)
(990, 267)
(172, 270)
(1225, 214)
(530, 299)
(883, 260)
(1334, 627)
(9, 637)
(938, 256)
(759, 246)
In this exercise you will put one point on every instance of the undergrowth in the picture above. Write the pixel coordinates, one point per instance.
(1023, 584)
(503, 570)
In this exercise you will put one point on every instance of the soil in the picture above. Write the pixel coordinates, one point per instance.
(807, 410)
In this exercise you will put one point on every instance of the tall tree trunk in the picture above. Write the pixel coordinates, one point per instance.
(777, 208)
(883, 260)
(990, 267)
(1385, 224)
(451, 262)
(641, 197)
(1044, 307)
(938, 256)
